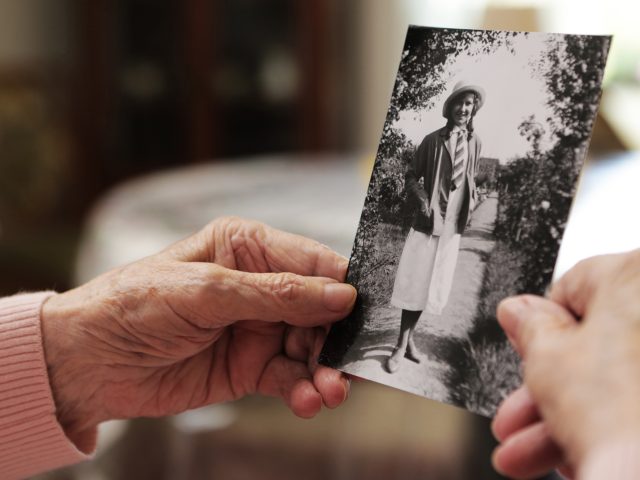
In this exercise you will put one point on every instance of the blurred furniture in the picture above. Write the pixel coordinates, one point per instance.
(319, 196)
(168, 82)
(36, 175)
(93, 93)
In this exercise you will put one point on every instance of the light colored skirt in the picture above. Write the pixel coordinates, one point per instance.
(425, 271)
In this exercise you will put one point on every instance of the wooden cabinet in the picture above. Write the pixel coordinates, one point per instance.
(160, 83)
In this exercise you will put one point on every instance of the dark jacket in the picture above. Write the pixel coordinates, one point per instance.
(434, 149)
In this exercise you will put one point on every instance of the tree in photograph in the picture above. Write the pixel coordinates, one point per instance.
(537, 190)
(574, 76)
(535, 197)
(573, 79)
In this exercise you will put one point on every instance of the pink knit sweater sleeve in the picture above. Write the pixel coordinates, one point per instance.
(31, 439)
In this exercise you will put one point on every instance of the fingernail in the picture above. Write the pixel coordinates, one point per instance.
(346, 383)
(338, 296)
(495, 460)
(344, 263)
(494, 431)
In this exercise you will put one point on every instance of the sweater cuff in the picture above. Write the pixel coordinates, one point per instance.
(31, 439)
(620, 461)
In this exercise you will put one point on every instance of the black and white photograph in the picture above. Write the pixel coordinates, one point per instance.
(475, 173)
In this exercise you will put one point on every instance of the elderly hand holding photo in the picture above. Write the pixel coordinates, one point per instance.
(237, 309)
(579, 407)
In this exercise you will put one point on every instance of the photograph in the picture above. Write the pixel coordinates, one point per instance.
(481, 150)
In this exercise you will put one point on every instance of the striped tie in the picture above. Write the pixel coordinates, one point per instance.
(460, 156)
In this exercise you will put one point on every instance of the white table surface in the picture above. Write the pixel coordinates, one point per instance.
(320, 197)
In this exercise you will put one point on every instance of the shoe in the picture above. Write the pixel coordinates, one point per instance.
(412, 353)
(393, 362)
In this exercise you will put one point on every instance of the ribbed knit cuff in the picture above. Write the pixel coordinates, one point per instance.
(619, 461)
(31, 439)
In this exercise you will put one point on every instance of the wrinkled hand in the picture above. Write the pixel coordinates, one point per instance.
(426, 209)
(581, 352)
(236, 309)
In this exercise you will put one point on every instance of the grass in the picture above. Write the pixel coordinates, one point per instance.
(487, 368)
(494, 373)
(375, 284)
(375, 281)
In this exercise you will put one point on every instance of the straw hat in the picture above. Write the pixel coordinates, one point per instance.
(460, 87)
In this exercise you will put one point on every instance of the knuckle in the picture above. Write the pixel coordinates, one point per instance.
(287, 287)
(238, 229)
(226, 221)
(124, 289)
(227, 225)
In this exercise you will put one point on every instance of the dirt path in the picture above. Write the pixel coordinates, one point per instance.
(378, 337)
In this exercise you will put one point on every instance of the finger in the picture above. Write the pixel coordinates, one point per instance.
(298, 343)
(516, 412)
(577, 287)
(304, 345)
(305, 401)
(251, 246)
(287, 252)
(528, 453)
(292, 382)
(527, 319)
(231, 295)
(321, 336)
(332, 385)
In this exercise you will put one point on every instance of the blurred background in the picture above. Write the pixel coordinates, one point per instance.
(125, 124)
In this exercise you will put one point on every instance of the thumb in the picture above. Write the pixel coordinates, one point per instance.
(529, 320)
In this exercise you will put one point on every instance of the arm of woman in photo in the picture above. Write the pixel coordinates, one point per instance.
(581, 353)
(239, 308)
(476, 175)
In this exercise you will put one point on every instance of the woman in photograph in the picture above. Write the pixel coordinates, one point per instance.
(446, 161)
